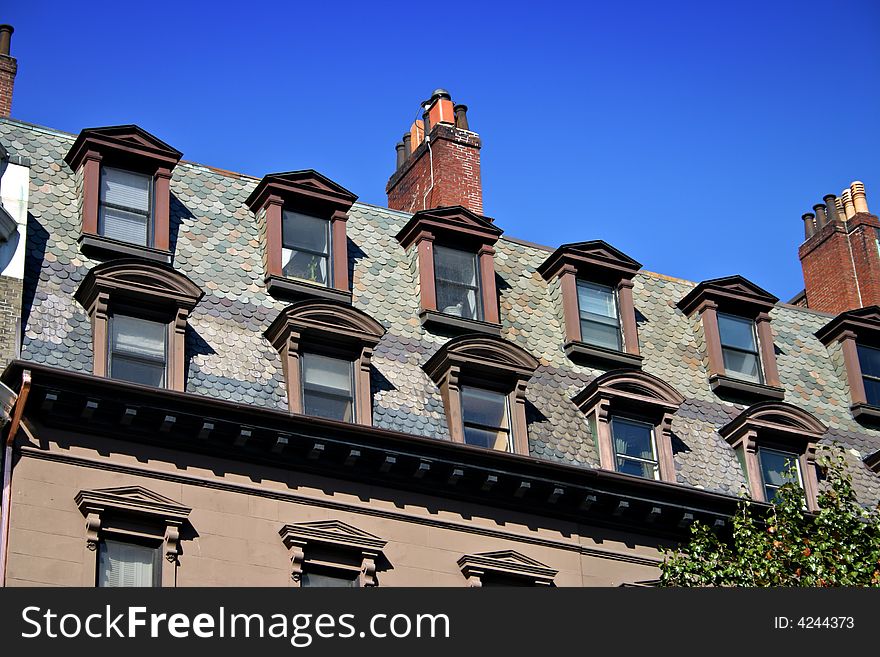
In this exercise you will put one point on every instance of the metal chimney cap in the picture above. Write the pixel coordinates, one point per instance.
(441, 93)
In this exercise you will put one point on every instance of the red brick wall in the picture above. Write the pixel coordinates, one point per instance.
(8, 67)
(456, 167)
(832, 283)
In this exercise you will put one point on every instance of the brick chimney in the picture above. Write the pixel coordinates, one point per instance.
(840, 257)
(8, 68)
(441, 169)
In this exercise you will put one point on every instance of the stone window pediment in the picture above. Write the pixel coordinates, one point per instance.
(333, 544)
(506, 564)
(131, 512)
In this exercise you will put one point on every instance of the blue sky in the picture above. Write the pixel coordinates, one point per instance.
(690, 135)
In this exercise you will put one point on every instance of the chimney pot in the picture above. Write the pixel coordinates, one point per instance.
(830, 208)
(809, 224)
(821, 219)
(5, 38)
(461, 116)
(407, 144)
(401, 156)
(847, 202)
(860, 201)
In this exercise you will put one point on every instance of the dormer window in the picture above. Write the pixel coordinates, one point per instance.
(773, 439)
(139, 312)
(302, 219)
(739, 347)
(124, 175)
(457, 283)
(305, 251)
(455, 252)
(595, 282)
(740, 354)
(600, 321)
(326, 348)
(856, 334)
(482, 380)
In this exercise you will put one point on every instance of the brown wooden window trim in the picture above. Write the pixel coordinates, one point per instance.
(735, 295)
(458, 228)
(313, 194)
(486, 362)
(336, 545)
(596, 262)
(332, 328)
(507, 564)
(144, 289)
(636, 395)
(849, 330)
(776, 425)
(131, 512)
(130, 148)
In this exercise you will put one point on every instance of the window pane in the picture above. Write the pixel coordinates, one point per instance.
(455, 265)
(633, 438)
(127, 564)
(139, 337)
(326, 580)
(775, 465)
(869, 360)
(597, 300)
(137, 371)
(637, 468)
(484, 438)
(303, 232)
(304, 265)
(454, 299)
(872, 391)
(737, 332)
(327, 387)
(484, 407)
(601, 335)
(124, 188)
(124, 226)
(741, 364)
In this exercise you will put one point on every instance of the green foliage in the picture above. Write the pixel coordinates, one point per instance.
(786, 546)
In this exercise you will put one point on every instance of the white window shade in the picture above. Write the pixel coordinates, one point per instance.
(125, 206)
(127, 564)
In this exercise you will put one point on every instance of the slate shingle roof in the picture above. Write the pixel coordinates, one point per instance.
(215, 243)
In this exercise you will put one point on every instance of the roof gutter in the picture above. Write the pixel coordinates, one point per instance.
(16, 404)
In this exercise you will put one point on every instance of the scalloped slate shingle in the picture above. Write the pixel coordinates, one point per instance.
(215, 243)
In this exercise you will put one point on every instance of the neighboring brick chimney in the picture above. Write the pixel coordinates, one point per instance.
(442, 169)
(8, 68)
(840, 257)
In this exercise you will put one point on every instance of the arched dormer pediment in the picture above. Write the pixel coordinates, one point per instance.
(324, 317)
(633, 386)
(139, 280)
(777, 417)
(482, 352)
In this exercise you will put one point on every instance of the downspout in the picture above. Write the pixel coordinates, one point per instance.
(17, 407)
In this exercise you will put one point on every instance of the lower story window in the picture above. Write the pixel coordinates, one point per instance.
(777, 468)
(138, 350)
(486, 418)
(317, 577)
(635, 452)
(128, 564)
(327, 387)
